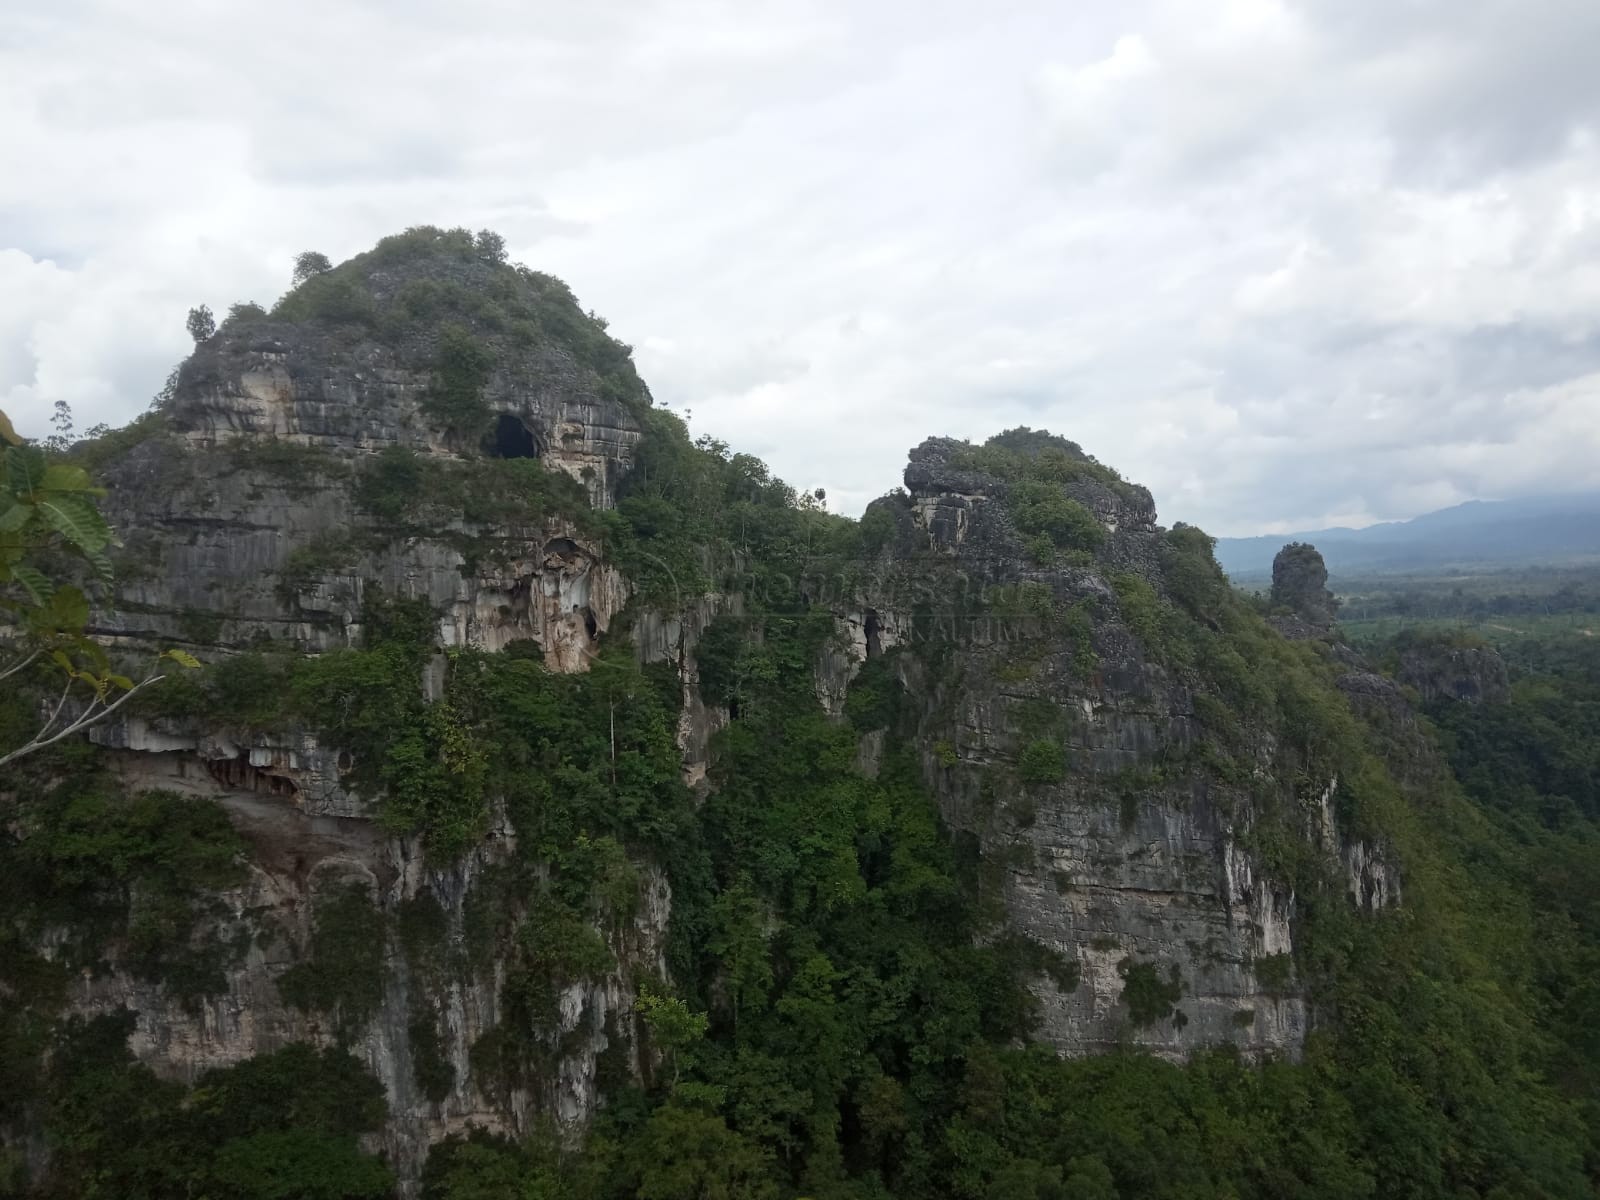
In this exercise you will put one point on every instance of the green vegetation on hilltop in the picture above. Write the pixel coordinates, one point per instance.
(696, 518)
(1024, 455)
(451, 296)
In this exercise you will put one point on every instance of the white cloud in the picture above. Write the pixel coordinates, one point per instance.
(1284, 261)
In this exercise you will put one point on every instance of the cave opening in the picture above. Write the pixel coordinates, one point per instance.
(563, 548)
(512, 438)
(237, 774)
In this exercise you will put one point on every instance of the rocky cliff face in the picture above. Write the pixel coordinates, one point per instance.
(297, 864)
(1450, 669)
(1054, 736)
(1123, 814)
(1300, 585)
(251, 518)
(357, 358)
(248, 524)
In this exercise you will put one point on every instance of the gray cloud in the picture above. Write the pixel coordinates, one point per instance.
(1288, 262)
(1484, 83)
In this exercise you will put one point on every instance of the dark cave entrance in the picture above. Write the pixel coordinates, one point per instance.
(563, 548)
(511, 439)
(237, 774)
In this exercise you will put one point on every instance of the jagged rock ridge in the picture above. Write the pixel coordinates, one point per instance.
(1132, 853)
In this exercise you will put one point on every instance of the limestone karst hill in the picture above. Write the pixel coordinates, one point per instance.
(530, 731)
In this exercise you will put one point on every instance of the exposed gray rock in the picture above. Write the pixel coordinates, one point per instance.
(671, 637)
(193, 758)
(1300, 584)
(242, 517)
(243, 527)
(294, 859)
(357, 385)
(1130, 854)
(1451, 670)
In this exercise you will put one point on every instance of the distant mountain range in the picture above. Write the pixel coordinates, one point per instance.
(1478, 535)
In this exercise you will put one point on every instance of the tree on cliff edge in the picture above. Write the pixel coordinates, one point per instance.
(200, 323)
(309, 263)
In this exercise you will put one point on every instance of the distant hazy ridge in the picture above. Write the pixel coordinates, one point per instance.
(1545, 529)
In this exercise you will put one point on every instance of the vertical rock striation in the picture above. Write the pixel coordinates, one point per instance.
(1053, 734)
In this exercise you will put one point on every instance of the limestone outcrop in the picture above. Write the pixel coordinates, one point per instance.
(249, 523)
(1453, 669)
(1300, 585)
(1073, 756)
(307, 465)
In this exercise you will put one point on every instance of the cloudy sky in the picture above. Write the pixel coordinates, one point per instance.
(1288, 262)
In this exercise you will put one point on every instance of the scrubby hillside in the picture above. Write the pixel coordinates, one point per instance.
(566, 807)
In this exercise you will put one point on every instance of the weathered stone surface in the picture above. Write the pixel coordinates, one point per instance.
(1132, 855)
(961, 513)
(352, 388)
(295, 858)
(225, 550)
(1441, 669)
(242, 527)
(194, 758)
(1300, 584)
(671, 637)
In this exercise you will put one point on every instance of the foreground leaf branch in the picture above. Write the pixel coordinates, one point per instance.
(49, 524)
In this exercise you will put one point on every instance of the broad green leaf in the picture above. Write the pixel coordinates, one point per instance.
(59, 657)
(183, 658)
(93, 651)
(60, 477)
(8, 431)
(121, 681)
(15, 517)
(77, 520)
(25, 468)
(33, 582)
(101, 562)
(68, 609)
